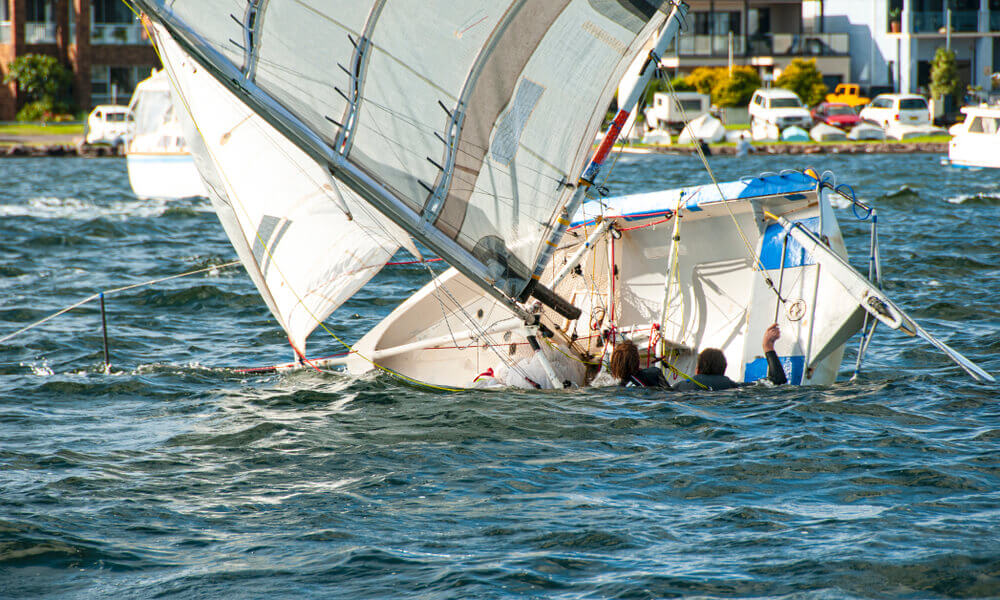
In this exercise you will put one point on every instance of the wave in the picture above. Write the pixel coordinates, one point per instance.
(47, 207)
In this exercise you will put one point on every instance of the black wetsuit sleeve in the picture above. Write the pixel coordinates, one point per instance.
(775, 372)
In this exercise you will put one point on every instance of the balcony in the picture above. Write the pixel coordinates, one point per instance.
(39, 33)
(810, 44)
(935, 21)
(117, 33)
(768, 44)
(710, 45)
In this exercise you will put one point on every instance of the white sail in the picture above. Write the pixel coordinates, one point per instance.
(467, 123)
(308, 242)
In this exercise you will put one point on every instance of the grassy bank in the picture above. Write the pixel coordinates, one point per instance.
(40, 129)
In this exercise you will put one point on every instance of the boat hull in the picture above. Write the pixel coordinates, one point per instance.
(164, 175)
(717, 295)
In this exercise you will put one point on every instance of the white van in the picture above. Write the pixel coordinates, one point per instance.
(667, 113)
(779, 106)
(886, 109)
(108, 124)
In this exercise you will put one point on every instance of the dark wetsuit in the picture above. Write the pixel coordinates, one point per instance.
(775, 373)
(648, 377)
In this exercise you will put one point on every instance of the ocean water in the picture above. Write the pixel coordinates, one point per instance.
(175, 476)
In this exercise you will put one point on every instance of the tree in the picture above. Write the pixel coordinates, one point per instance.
(944, 75)
(45, 82)
(703, 79)
(736, 89)
(802, 77)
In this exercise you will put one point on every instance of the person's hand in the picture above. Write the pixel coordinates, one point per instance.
(770, 336)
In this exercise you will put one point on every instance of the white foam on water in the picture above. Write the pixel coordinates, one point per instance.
(47, 207)
(960, 199)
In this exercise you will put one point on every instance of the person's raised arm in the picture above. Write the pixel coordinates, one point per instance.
(775, 372)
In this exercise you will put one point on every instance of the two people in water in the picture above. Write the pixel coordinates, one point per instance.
(711, 369)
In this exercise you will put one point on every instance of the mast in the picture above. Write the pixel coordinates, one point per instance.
(667, 35)
(350, 174)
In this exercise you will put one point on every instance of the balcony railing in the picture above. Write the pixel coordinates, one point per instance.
(811, 44)
(709, 45)
(935, 21)
(117, 33)
(768, 44)
(39, 33)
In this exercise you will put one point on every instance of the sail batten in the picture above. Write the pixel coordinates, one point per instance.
(360, 86)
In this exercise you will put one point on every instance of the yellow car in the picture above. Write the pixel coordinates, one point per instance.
(849, 94)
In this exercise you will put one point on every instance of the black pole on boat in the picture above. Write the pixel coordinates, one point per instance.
(104, 329)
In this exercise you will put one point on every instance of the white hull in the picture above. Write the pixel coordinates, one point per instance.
(979, 147)
(449, 332)
(168, 175)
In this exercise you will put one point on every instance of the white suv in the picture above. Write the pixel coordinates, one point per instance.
(886, 109)
(781, 107)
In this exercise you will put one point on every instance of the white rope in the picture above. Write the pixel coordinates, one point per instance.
(112, 291)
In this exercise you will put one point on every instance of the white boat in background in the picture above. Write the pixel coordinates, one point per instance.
(866, 131)
(479, 146)
(159, 163)
(705, 128)
(794, 134)
(976, 141)
(905, 131)
(827, 133)
(764, 131)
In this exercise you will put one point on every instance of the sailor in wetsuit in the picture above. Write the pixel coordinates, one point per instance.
(712, 367)
(709, 376)
(625, 366)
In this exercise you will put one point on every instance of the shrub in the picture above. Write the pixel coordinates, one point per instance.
(736, 89)
(944, 74)
(45, 82)
(704, 79)
(802, 77)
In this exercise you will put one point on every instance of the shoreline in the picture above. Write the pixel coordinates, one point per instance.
(20, 149)
(786, 148)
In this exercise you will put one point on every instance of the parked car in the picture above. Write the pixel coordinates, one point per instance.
(849, 94)
(666, 113)
(779, 106)
(836, 114)
(108, 124)
(887, 109)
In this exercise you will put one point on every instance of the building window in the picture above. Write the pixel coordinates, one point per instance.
(40, 27)
(110, 84)
(113, 23)
(5, 36)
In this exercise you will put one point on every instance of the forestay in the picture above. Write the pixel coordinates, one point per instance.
(308, 242)
(468, 123)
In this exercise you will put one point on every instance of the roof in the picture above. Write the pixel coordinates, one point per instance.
(643, 206)
(777, 92)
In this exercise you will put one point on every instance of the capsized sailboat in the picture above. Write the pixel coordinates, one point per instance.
(328, 137)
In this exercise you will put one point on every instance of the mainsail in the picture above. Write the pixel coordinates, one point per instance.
(466, 123)
(308, 242)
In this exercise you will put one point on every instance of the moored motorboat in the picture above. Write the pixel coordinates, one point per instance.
(976, 141)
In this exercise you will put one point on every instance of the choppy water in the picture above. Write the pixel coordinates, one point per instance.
(174, 477)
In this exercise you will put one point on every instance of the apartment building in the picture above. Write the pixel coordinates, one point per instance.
(100, 41)
(893, 41)
(766, 34)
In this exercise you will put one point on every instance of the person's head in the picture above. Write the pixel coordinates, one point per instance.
(624, 360)
(711, 361)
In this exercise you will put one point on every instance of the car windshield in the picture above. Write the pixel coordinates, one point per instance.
(785, 103)
(913, 104)
(840, 110)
